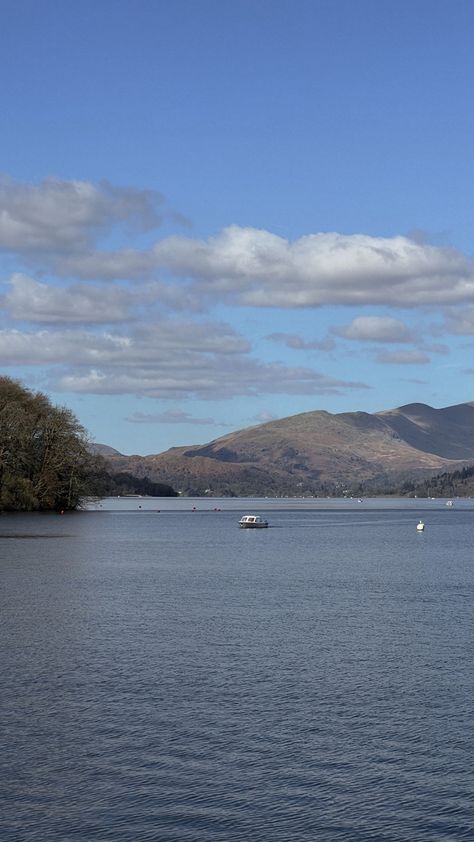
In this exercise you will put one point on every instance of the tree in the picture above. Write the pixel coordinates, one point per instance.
(45, 463)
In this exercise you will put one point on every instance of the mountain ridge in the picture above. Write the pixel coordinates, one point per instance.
(318, 452)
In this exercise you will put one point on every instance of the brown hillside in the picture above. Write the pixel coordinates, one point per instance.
(318, 452)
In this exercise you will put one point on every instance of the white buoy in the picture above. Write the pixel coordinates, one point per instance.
(420, 526)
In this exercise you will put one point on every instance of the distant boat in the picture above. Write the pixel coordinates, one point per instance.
(450, 503)
(420, 526)
(252, 522)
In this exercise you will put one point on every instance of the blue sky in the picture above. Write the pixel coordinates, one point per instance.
(213, 214)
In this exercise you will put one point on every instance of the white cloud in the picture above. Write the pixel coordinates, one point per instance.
(403, 358)
(124, 264)
(60, 216)
(376, 329)
(255, 267)
(166, 360)
(210, 379)
(32, 301)
(57, 224)
(168, 343)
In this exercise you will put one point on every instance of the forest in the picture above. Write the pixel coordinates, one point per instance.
(45, 459)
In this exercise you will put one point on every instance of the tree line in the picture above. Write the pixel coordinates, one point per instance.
(45, 459)
(448, 484)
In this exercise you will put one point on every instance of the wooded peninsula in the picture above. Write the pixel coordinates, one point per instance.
(45, 459)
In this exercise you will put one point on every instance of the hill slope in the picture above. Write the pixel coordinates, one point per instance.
(317, 452)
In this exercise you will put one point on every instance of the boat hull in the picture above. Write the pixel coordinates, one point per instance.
(253, 525)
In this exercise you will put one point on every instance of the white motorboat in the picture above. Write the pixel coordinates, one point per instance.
(420, 526)
(252, 522)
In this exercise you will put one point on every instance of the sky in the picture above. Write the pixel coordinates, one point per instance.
(216, 213)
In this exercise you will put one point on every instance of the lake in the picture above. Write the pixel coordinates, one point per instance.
(168, 676)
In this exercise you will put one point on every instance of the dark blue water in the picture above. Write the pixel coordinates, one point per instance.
(167, 676)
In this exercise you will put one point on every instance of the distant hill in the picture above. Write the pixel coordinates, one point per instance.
(103, 450)
(318, 453)
(447, 432)
(107, 479)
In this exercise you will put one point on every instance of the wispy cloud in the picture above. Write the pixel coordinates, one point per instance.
(460, 321)
(212, 379)
(436, 348)
(403, 358)
(264, 417)
(166, 360)
(376, 329)
(171, 416)
(298, 343)
(167, 344)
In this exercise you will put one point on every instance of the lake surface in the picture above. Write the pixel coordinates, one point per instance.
(167, 676)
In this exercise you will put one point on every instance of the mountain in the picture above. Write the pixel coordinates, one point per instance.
(103, 450)
(447, 432)
(318, 453)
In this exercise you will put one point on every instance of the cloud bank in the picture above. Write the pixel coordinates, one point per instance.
(257, 268)
(168, 360)
(128, 319)
(59, 223)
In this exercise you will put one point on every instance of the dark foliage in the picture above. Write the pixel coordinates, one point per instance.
(108, 484)
(44, 460)
(454, 484)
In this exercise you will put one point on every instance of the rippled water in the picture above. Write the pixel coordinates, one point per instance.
(167, 676)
